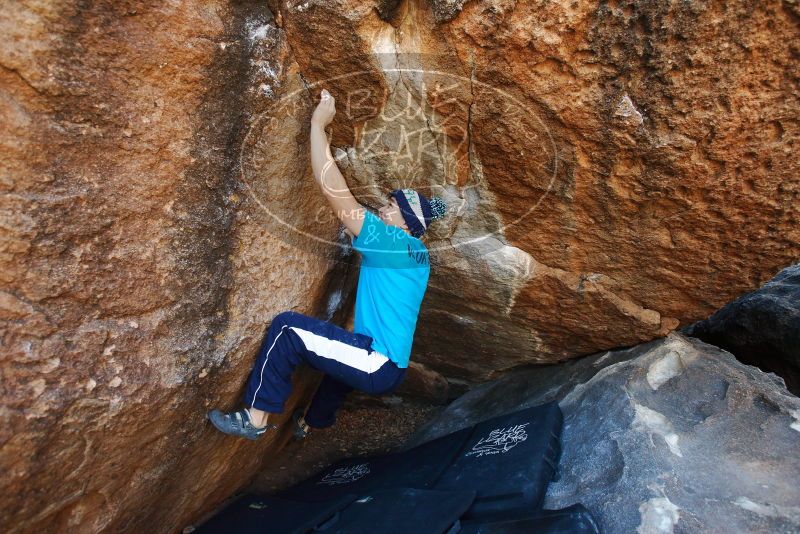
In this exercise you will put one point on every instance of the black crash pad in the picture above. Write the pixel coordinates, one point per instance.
(417, 468)
(401, 511)
(508, 460)
(574, 519)
(258, 514)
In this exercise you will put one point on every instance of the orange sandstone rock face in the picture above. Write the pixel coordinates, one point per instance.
(675, 188)
(612, 170)
(138, 272)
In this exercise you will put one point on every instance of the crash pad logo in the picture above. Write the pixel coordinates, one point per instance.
(345, 475)
(500, 440)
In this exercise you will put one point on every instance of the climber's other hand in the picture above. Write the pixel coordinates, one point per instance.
(325, 110)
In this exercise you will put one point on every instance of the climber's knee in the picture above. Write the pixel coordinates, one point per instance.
(284, 317)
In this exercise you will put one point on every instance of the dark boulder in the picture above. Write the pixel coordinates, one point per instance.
(670, 436)
(761, 328)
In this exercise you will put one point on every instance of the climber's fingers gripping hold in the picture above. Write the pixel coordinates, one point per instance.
(325, 110)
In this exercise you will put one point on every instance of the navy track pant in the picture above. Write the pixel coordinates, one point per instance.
(346, 358)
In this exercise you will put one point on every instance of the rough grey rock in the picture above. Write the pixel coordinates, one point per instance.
(761, 328)
(446, 10)
(670, 436)
(387, 9)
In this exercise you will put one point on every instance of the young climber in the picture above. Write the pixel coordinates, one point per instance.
(392, 282)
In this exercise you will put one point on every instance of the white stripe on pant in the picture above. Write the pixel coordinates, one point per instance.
(332, 349)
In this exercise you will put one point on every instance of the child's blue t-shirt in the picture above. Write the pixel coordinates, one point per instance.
(394, 275)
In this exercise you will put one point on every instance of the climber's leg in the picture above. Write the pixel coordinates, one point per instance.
(331, 394)
(345, 356)
(329, 397)
(277, 357)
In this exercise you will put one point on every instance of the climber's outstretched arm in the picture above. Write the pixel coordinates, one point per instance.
(327, 174)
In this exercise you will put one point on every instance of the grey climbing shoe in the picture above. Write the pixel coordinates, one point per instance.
(237, 424)
(301, 430)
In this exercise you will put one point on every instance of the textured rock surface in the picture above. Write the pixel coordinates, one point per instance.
(671, 128)
(761, 328)
(589, 152)
(158, 206)
(138, 277)
(670, 436)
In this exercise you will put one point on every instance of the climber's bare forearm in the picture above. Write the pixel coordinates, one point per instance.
(326, 173)
(332, 183)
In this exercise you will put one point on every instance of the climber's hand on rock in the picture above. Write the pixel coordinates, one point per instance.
(326, 109)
